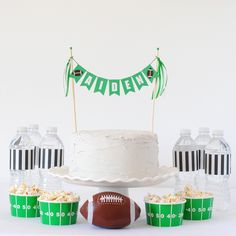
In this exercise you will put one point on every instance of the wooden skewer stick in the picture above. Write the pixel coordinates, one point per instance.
(154, 99)
(73, 96)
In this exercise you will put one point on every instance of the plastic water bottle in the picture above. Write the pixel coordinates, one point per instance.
(218, 169)
(201, 141)
(33, 132)
(35, 136)
(51, 154)
(185, 158)
(22, 162)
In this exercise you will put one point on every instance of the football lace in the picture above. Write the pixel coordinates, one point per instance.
(110, 198)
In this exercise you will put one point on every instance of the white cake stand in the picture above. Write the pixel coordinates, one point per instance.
(114, 185)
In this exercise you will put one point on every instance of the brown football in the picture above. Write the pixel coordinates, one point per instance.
(110, 210)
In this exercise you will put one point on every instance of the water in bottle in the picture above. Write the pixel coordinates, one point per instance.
(22, 162)
(185, 158)
(218, 169)
(201, 141)
(33, 132)
(51, 154)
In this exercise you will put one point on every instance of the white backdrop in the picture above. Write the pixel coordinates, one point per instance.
(116, 39)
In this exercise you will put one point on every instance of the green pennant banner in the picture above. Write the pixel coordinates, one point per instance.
(139, 80)
(133, 83)
(114, 87)
(100, 86)
(150, 73)
(77, 73)
(88, 80)
(127, 85)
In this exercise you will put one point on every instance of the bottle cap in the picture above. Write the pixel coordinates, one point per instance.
(185, 132)
(218, 132)
(22, 129)
(52, 129)
(33, 126)
(204, 130)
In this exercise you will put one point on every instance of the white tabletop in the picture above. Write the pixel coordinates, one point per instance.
(221, 223)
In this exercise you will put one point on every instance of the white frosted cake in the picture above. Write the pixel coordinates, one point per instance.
(115, 154)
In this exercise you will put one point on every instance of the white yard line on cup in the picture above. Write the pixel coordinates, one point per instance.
(171, 208)
(210, 212)
(181, 218)
(150, 213)
(49, 214)
(36, 212)
(160, 215)
(60, 213)
(191, 205)
(202, 209)
(16, 205)
(70, 212)
(26, 206)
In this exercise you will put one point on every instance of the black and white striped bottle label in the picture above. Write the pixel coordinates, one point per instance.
(22, 159)
(217, 164)
(201, 158)
(36, 155)
(49, 158)
(186, 160)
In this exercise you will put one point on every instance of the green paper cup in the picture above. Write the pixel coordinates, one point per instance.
(198, 208)
(24, 206)
(164, 214)
(58, 213)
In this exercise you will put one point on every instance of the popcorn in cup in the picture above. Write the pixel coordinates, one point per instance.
(58, 208)
(198, 204)
(24, 201)
(166, 211)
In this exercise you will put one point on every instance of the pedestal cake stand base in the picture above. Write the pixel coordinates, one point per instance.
(115, 185)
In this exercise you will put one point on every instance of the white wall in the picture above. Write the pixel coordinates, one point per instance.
(116, 39)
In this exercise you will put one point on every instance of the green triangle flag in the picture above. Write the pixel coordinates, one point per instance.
(77, 73)
(100, 86)
(88, 80)
(114, 87)
(149, 72)
(128, 85)
(139, 80)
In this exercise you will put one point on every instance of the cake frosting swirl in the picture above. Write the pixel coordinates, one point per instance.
(115, 154)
